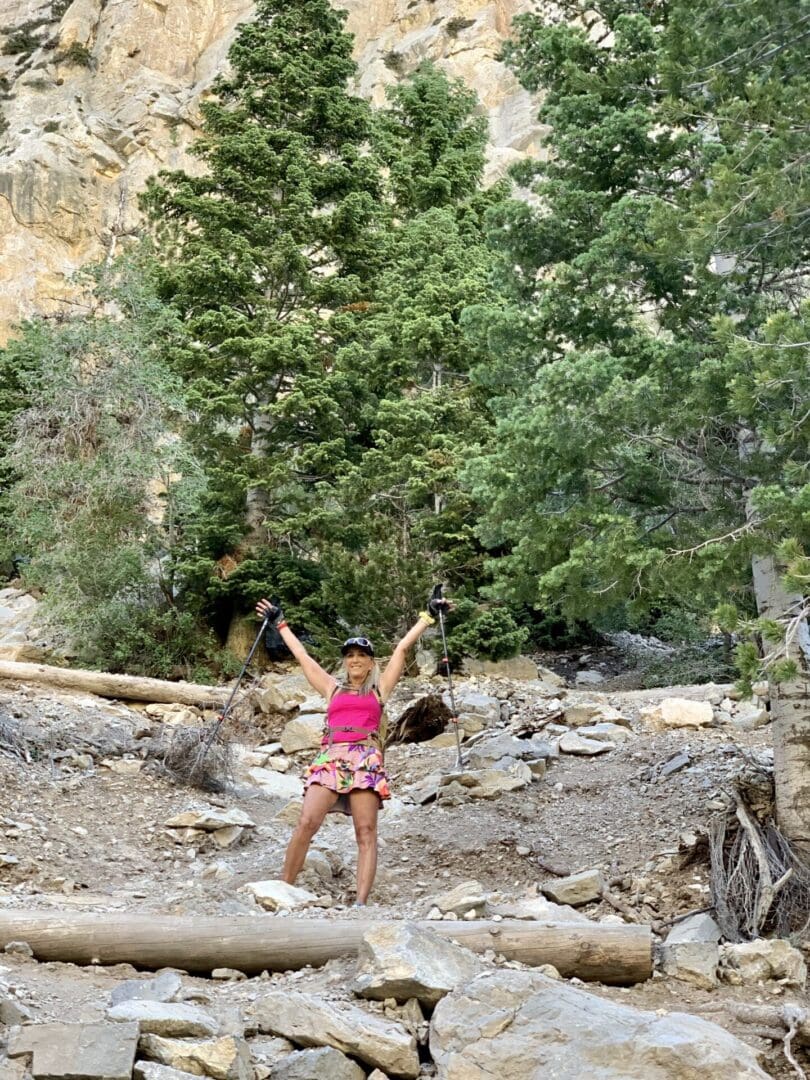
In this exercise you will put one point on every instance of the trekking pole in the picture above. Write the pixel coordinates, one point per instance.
(208, 743)
(437, 592)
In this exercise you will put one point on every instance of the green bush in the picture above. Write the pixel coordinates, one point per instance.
(487, 633)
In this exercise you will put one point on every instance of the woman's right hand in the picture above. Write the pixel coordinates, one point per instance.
(265, 609)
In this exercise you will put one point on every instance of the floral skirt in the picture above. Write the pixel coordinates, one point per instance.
(347, 767)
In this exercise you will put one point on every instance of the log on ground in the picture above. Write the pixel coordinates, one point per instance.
(123, 687)
(618, 955)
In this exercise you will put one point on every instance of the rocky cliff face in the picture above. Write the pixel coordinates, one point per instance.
(97, 95)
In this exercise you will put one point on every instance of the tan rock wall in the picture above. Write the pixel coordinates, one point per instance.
(82, 138)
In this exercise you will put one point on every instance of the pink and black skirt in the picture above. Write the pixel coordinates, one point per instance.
(348, 767)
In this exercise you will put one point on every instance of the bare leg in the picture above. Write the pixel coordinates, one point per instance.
(364, 806)
(318, 800)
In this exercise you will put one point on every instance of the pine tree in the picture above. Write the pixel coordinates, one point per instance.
(277, 233)
(651, 442)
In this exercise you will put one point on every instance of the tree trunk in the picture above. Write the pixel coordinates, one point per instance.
(124, 687)
(790, 706)
(617, 955)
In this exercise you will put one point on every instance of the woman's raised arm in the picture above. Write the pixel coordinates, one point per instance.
(396, 665)
(315, 675)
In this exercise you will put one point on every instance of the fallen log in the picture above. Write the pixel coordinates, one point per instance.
(618, 955)
(124, 687)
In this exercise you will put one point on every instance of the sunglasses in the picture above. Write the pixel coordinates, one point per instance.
(359, 643)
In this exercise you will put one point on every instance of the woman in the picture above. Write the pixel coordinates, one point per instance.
(349, 773)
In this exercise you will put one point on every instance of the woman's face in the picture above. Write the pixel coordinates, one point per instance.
(358, 664)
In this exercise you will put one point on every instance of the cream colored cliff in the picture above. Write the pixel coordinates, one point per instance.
(102, 94)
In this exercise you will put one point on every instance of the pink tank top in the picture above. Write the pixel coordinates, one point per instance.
(352, 717)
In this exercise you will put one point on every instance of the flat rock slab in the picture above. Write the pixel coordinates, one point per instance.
(157, 1018)
(571, 743)
(307, 1020)
(163, 987)
(77, 1051)
(525, 1026)
(536, 908)
(277, 895)
(209, 820)
(322, 1063)
(401, 961)
(153, 1070)
(227, 1058)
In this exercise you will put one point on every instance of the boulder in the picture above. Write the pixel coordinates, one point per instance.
(68, 1051)
(275, 895)
(751, 719)
(524, 1025)
(276, 785)
(489, 783)
(677, 713)
(752, 962)
(227, 1058)
(589, 678)
(593, 712)
(401, 961)
(305, 732)
(572, 743)
(163, 987)
(322, 1063)
(517, 667)
(307, 1020)
(467, 896)
(470, 701)
(695, 928)
(534, 907)
(210, 819)
(158, 1018)
(606, 731)
(693, 962)
(506, 748)
(575, 889)
(153, 1070)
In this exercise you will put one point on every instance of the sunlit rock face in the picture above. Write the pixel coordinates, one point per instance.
(98, 95)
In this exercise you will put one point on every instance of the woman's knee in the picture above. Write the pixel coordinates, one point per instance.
(309, 824)
(365, 833)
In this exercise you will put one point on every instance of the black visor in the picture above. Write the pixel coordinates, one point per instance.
(357, 643)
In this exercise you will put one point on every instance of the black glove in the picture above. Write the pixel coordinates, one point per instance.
(270, 610)
(437, 603)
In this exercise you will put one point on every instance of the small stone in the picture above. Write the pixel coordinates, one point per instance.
(589, 678)
(575, 889)
(467, 896)
(522, 850)
(571, 743)
(692, 962)
(226, 974)
(276, 895)
(18, 948)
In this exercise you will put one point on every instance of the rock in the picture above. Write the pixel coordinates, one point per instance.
(276, 785)
(693, 962)
(175, 1020)
(18, 948)
(400, 961)
(210, 820)
(605, 731)
(377, 1075)
(467, 896)
(589, 678)
(695, 928)
(535, 907)
(571, 743)
(163, 987)
(753, 962)
(122, 766)
(227, 1058)
(592, 712)
(677, 713)
(225, 838)
(483, 705)
(751, 719)
(322, 1063)
(71, 1051)
(153, 1070)
(506, 747)
(226, 974)
(488, 783)
(576, 889)
(290, 814)
(274, 895)
(13, 1012)
(523, 1025)
(307, 1021)
(305, 732)
(518, 667)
